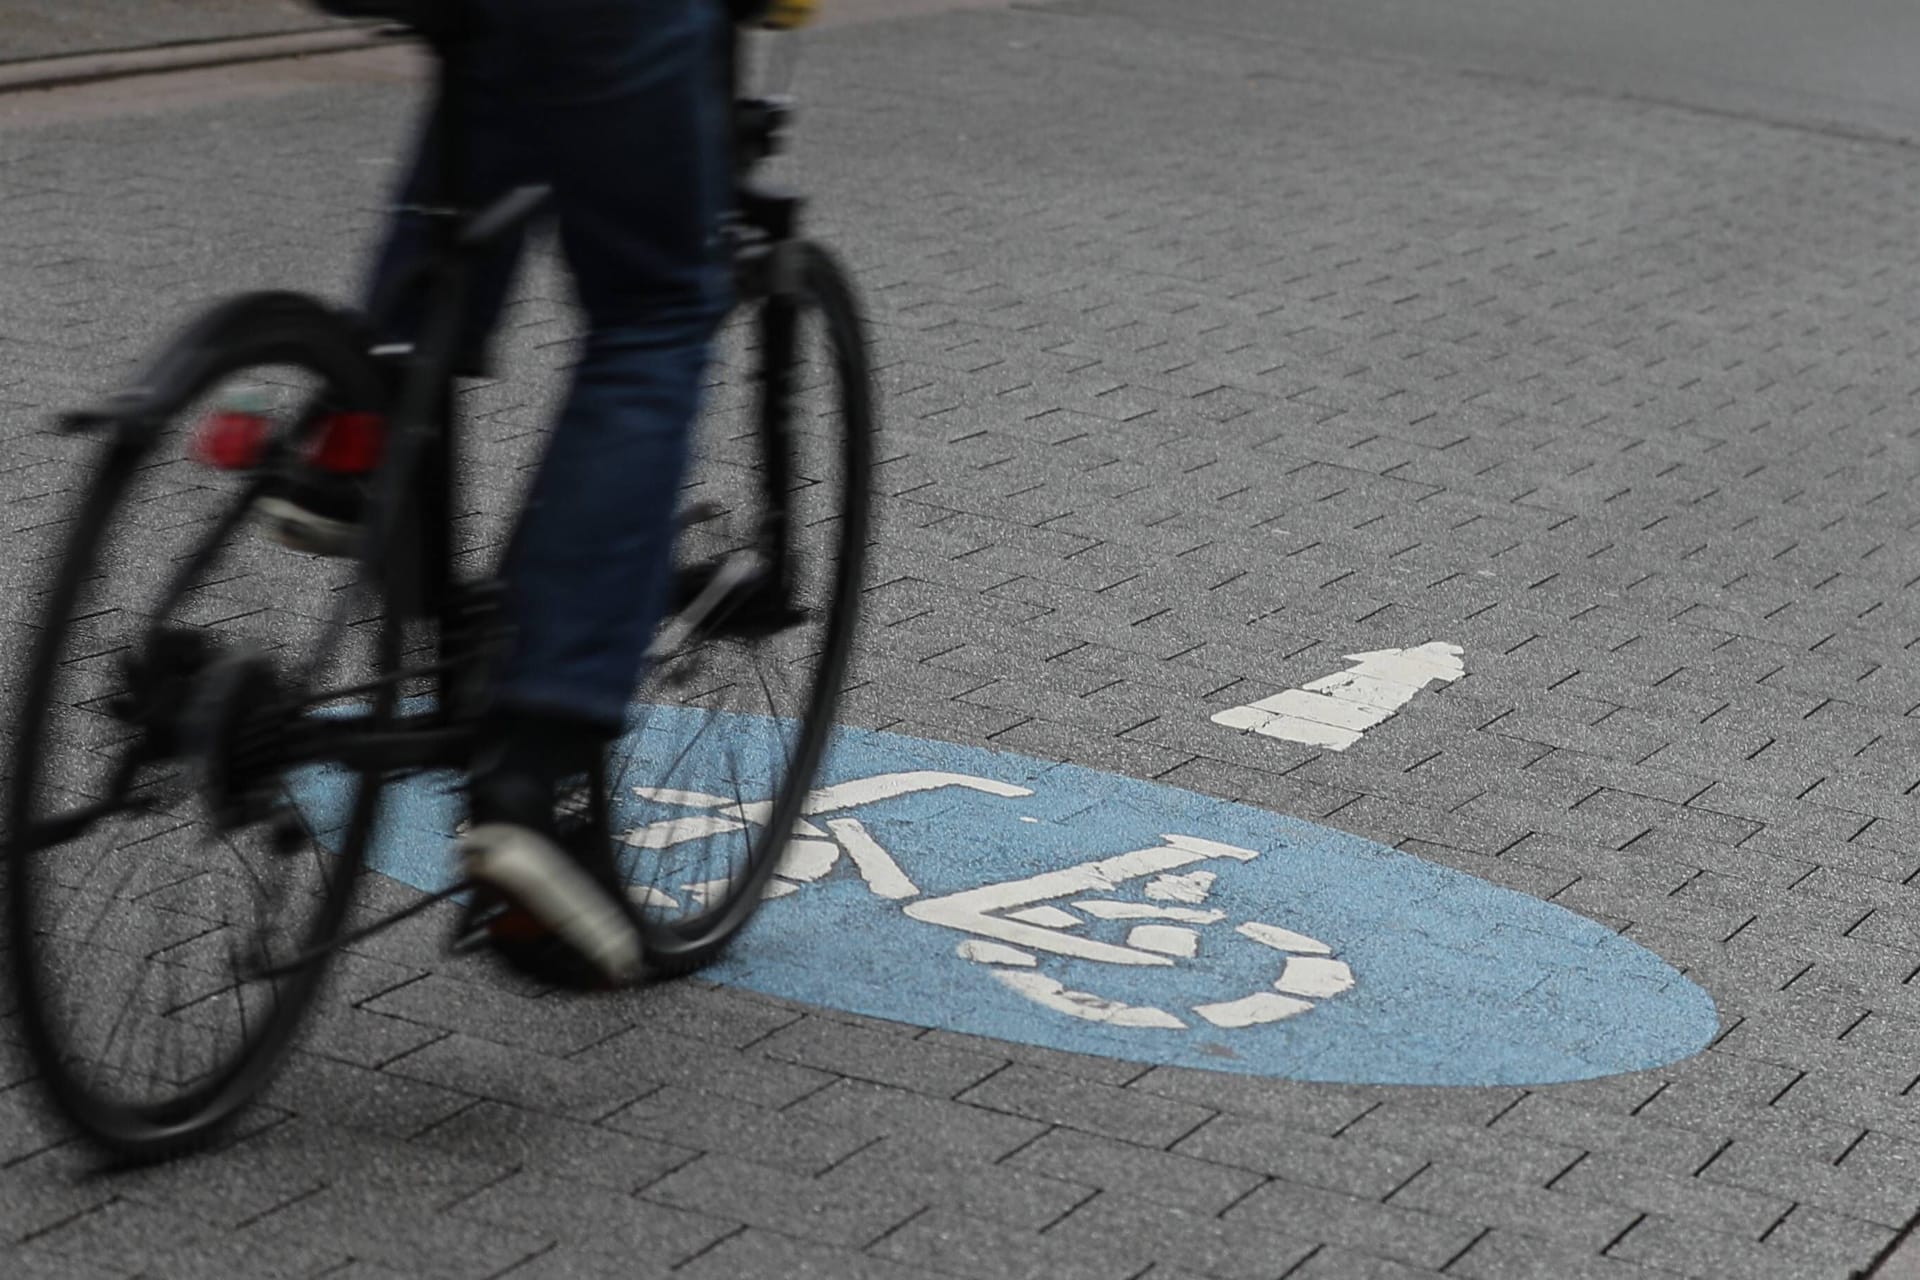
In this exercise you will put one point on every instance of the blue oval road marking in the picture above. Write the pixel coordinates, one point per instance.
(1002, 896)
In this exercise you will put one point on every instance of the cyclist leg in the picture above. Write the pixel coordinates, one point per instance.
(625, 99)
(495, 157)
(630, 108)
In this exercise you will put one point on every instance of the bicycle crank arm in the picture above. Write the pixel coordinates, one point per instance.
(734, 573)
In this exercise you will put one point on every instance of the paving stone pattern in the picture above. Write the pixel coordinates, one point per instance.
(1206, 362)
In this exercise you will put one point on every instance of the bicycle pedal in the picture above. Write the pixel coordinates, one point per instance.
(474, 931)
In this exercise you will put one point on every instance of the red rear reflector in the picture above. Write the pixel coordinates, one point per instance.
(349, 443)
(231, 440)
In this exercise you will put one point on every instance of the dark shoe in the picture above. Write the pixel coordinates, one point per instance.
(558, 924)
(553, 902)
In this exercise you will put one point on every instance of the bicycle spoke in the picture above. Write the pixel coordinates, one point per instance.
(44, 833)
(773, 708)
(693, 743)
(739, 799)
(174, 987)
(173, 625)
(197, 566)
(103, 1056)
(112, 897)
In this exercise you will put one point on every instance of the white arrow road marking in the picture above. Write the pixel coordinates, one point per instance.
(1333, 711)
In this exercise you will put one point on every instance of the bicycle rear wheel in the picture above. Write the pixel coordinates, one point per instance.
(733, 719)
(157, 858)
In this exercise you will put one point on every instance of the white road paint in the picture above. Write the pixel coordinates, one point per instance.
(1315, 976)
(1279, 939)
(811, 853)
(993, 953)
(844, 795)
(1046, 991)
(876, 866)
(1167, 939)
(685, 799)
(971, 911)
(673, 831)
(1046, 917)
(1252, 1011)
(1108, 909)
(888, 786)
(807, 860)
(1191, 887)
(1334, 711)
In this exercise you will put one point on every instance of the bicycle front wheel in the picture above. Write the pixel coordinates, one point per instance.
(159, 859)
(733, 720)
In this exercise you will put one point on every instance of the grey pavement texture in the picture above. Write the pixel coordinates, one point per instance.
(1844, 63)
(1208, 358)
(39, 29)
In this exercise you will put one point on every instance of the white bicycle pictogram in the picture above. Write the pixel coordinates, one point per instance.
(1013, 925)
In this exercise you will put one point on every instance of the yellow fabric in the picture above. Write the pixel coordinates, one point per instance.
(784, 15)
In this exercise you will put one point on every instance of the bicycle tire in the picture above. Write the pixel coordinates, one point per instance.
(827, 495)
(109, 649)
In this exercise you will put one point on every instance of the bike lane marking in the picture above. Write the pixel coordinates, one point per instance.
(1002, 896)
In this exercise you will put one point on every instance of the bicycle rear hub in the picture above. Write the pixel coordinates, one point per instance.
(232, 725)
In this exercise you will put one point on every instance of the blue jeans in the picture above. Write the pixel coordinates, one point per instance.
(619, 106)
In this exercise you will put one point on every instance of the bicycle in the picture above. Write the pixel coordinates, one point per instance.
(253, 722)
